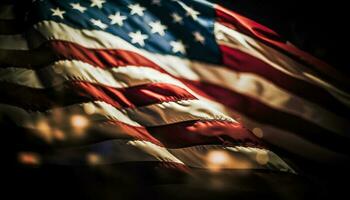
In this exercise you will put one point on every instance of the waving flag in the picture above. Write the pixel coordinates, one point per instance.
(179, 84)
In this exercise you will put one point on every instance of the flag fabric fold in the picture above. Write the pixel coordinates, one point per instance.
(186, 86)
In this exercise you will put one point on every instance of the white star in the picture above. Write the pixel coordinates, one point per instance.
(191, 13)
(136, 9)
(137, 37)
(156, 2)
(98, 23)
(157, 27)
(117, 19)
(199, 37)
(57, 12)
(178, 46)
(97, 3)
(78, 7)
(176, 18)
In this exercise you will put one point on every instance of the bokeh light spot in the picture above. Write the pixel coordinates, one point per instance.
(79, 121)
(29, 158)
(44, 130)
(93, 159)
(89, 109)
(217, 160)
(258, 132)
(58, 134)
(262, 157)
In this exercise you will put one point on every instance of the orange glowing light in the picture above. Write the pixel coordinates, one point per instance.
(262, 157)
(93, 159)
(79, 121)
(44, 130)
(217, 160)
(258, 132)
(58, 134)
(218, 157)
(89, 109)
(226, 159)
(29, 158)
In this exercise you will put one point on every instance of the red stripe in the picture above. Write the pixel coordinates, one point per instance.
(177, 135)
(233, 59)
(204, 132)
(100, 57)
(265, 114)
(141, 95)
(244, 104)
(268, 36)
(190, 133)
(243, 62)
(236, 101)
(181, 134)
(78, 91)
(249, 106)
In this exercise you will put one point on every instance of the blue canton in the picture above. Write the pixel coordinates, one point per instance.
(181, 28)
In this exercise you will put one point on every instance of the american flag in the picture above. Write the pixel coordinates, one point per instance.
(185, 85)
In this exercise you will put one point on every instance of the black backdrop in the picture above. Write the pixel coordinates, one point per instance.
(318, 27)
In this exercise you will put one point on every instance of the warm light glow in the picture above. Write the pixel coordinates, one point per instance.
(226, 159)
(79, 121)
(58, 116)
(262, 157)
(258, 132)
(28, 158)
(79, 124)
(44, 130)
(47, 132)
(89, 109)
(218, 159)
(93, 159)
(58, 134)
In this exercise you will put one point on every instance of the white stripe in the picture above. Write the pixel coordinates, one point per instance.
(93, 39)
(230, 37)
(278, 137)
(7, 12)
(151, 115)
(272, 95)
(102, 111)
(115, 77)
(281, 138)
(119, 151)
(244, 83)
(112, 44)
(65, 70)
(256, 87)
(13, 42)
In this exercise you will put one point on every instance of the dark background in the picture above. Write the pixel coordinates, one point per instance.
(318, 27)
